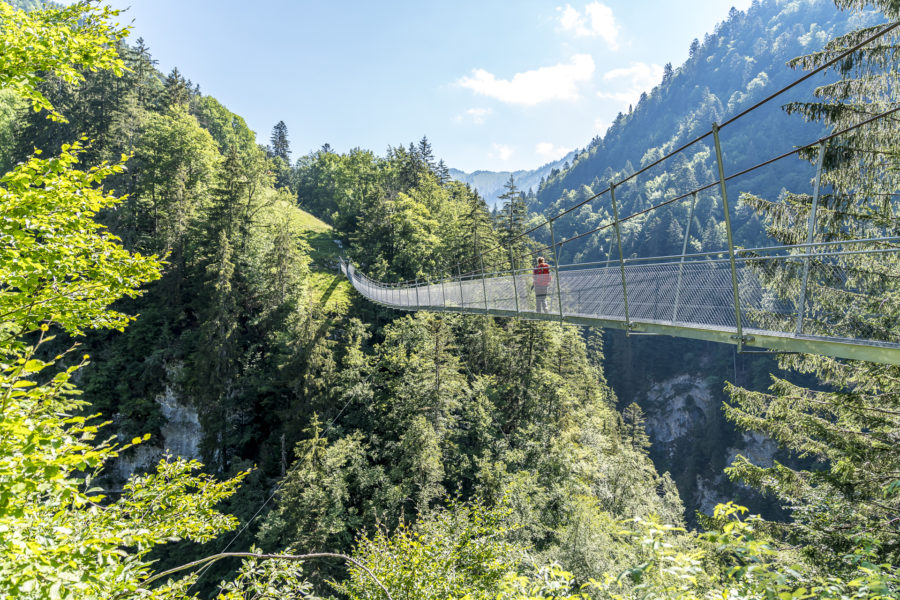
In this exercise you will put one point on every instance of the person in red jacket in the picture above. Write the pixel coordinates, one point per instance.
(542, 279)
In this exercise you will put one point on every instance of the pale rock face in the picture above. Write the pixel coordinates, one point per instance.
(708, 493)
(677, 406)
(758, 448)
(138, 459)
(181, 434)
(681, 409)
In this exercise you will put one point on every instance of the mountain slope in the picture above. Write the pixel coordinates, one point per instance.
(489, 184)
(679, 383)
(743, 61)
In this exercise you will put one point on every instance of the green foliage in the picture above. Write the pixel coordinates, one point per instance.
(176, 161)
(271, 579)
(635, 433)
(228, 129)
(454, 552)
(495, 410)
(847, 421)
(387, 416)
(402, 220)
(61, 536)
(62, 42)
(544, 583)
(12, 107)
(735, 559)
(512, 214)
(58, 265)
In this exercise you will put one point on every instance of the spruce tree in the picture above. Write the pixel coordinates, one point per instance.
(633, 430)
(443, 172)
(280, 152)
(849, 420)
(512, 215)
(280, 146)
(143, 65)
(177, 90)
(425, 152)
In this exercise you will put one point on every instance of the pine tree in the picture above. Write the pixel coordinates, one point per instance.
(425, 153)
(848, 421)
(176, 91)
(667, 72)
(633, 430)
(512, 215)
(279, 145)
(443, 172)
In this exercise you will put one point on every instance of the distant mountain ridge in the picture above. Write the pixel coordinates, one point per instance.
(490, 183)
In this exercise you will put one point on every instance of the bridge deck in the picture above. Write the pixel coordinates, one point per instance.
(692, 298)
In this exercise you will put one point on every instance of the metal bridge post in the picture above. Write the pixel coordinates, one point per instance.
(512, 262)
(811, 231)
(612, 194)
(734, 281)
(428, 281)
(459, 274)
(556, 257)
(687, 236)
(483, 283)
(418, 304)
(444, 291)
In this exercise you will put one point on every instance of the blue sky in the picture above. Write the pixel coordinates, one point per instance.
(494, 85)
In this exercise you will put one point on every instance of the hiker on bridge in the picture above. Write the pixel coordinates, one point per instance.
(542, 278)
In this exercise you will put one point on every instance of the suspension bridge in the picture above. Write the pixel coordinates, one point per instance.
(836, 298)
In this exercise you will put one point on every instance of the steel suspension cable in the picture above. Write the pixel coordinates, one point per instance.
(730, 177)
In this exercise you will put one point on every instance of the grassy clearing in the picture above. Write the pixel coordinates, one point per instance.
(330, 288)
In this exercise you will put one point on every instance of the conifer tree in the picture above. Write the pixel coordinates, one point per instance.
(443, 172)
(633, 431)
(280, 151)
(280, 146)
(425, 153)
(849, 420)
(667, 73)
(177, 90)
(512, 215)
(694, 49)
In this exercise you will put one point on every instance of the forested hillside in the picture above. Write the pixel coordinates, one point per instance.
(738, 64)
(424, 455)
(730, 69)
(358, 415)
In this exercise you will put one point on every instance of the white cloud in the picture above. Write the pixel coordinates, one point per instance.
(477, 115)
(548, 151)
(597, 21)
(501, 151)
(559, 82)
(601, 125)
(626, 84)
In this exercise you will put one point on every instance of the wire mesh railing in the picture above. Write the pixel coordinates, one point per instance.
(847, 293)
